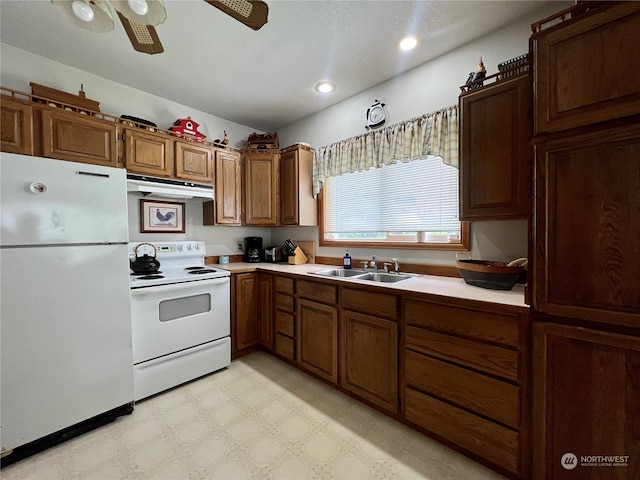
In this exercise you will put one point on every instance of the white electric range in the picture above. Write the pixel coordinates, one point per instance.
(180, 317)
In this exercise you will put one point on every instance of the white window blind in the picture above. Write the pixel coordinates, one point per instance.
(402, 198)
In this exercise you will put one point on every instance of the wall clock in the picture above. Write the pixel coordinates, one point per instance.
(376, 115)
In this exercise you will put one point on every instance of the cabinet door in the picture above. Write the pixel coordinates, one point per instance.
(148, 153)
(289, 187)
(495, 126)
(298, 207)
(79, 138)
(228, 202)
(584, 70)
(369, 358)
(194, 162)
(586, 403)
(16, 128)
(245, 328)
(588, 226)
(317, 339)
(261, 175)
(266, 310)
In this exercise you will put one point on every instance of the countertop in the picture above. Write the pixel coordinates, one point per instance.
(429, 284)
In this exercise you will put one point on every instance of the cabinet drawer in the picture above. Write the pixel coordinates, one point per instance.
(285, 302)
(285, 285)
(484, 395)
(493, 327)
(320, 292)
(285, 346)
(482, 437)
(284, 323)
(492, 359)
(377, 304)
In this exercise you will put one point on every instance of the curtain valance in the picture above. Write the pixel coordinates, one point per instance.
(430, 134)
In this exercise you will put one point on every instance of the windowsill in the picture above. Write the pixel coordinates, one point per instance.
(396, 245)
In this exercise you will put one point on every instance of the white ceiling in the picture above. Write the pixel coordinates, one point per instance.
(262, 79)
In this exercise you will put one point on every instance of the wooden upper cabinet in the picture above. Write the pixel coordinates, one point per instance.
(261, 179)
(298, 207)
(586, 402)
(585, 69)
(78, 138)
(587, 226)
(193, 161)
(228, 180)
(16, 128)
(148, 153)
(495, 127)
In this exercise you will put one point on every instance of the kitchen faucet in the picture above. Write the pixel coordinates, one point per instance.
(373, 263)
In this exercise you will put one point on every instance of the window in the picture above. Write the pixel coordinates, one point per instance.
(413, 204)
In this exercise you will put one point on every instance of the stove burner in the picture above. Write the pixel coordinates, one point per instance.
(204, 270)
(133, 274)
(150, 277)
(194, 268)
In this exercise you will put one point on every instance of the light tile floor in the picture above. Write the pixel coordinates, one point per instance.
(259, 419)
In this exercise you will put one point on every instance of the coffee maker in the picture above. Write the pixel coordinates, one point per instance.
(253, 249)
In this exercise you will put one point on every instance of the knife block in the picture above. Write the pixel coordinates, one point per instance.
(298, 257)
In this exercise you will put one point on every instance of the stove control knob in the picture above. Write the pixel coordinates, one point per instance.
(188, 246)
(179, 247)
(196, 246)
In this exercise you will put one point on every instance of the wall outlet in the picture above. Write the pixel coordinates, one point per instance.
(240, 246)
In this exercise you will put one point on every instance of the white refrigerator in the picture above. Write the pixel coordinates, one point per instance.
(65, 315)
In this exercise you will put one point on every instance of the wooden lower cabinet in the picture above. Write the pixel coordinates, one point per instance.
(369, 358)
(245, 315)
(285, 317)
(465, 376)
(265, 287)
(317, 338)
(586, 403)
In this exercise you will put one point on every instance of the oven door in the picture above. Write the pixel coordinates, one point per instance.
(169, 318)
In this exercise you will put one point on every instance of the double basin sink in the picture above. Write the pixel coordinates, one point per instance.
(354, 274)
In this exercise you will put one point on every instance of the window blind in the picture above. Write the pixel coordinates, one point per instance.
(421, 195)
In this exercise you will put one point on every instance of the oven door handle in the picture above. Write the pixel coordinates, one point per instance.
(179, 286)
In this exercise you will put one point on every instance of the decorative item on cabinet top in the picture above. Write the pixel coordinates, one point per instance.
(188, 129)
(67, 101)
(510, 68)
(263, 140)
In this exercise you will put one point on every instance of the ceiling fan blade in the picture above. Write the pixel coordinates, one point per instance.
(253, 13)
(143, 37)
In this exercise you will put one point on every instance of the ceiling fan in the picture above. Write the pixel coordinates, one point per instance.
(139, 17)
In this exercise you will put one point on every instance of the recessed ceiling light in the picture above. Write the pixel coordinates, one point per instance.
(325, 87)
(409, 42)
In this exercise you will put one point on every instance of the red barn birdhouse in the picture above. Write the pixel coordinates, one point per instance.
(187, 129)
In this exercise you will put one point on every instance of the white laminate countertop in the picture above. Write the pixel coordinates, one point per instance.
(429, 284)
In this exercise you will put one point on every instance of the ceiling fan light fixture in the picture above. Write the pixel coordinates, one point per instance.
(144, 12)
(91, 15)
(82, 10)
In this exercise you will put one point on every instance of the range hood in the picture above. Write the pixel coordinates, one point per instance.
(154, 187)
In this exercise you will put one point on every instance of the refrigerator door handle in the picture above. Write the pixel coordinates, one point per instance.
(93, 174)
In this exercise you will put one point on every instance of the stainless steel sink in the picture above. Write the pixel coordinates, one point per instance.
(341, 272)
(380, 277)
(386, 277)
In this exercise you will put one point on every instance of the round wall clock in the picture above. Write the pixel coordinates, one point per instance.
(376, 115)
